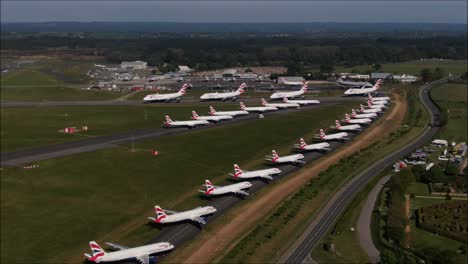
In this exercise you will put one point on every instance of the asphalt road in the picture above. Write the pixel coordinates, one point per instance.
(186, 100)
(301, 249)
(90, 144)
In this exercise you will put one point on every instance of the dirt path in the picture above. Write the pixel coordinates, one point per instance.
(407, 228)
(211, 245)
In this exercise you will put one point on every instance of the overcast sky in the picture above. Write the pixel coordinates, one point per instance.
(235, 11)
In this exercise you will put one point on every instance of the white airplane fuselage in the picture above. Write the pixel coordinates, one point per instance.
(188, 215)
(359, 121)
(295, 158)
(368, 115)
(335, 136)
(317, 146)
(304, 102)
(360, 91)
(220, 96)
(233, 188)
(260, 109)
(162, 97)
(191, 123)
(282, 105)
(230, 113)
(135, 252)
(256, 173)
(349, 127)
(214, 118)
(372, 110)
(280, 95)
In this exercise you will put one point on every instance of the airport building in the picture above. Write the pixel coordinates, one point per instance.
(134, 65)
(380, 75)
(283, 79)
(405, 78)
(184, 69)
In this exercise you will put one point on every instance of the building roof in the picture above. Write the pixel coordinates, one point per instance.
(184, 68)
(134, 62)
(380, 75)
(230, 71)
(293, 78)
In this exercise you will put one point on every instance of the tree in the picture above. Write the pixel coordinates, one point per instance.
(436, 174)
(273, 76)
(377, 67)
(419, 172)
(451, 169)
(426, 75)
(327, 68)
(438, 74)
(153, 71)
(248, 70)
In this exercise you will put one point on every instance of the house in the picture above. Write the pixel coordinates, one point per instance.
(405, 78)
(184, 69)
(133, 65)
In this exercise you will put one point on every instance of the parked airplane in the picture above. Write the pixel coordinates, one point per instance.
(214, 118)
(363, 91)
(142, 253)
(236, 188)
(336, 136)
(352, 83)
(260, 109)
(379, 98)
(300, 102)
(382, 103)
(371, 110)
(279, 105)
(368, 115)
(357, 120)
(190, 124)
(275, 158)
(295, 83)
(318, 146)
(372, 106)
(166, 97)
(224, 96)
(192, 215)
(265, 173)
(292, 94)
(213, 112)
(354, 127)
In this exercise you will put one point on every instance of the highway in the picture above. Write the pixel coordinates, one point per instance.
(16, 158)
(300, 251)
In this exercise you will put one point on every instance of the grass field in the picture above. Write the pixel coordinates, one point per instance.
(101, 120)
(418, 188)
(52, 212)
(453, 100)
(413, 67)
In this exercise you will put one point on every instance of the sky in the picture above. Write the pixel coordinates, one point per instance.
(235, 11)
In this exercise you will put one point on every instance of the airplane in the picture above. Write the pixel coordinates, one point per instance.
(371, 110)
(166, 97)
(357, 120)
(296, 83)
(318, 146)
(336, 136)
(300, 102)
(265, 173)
(279, 105)
(235, 113)
(372, 106)
(364, 91)
(260, 109)
(192, 215)
(368, 115)
(354, 127)
(381, 102)
(224, 96)
(293, 94)
(385, 98)
(214, 118)
(236, 188)
(275, 158)
(142, 253)
(352, 83)
(190, 123)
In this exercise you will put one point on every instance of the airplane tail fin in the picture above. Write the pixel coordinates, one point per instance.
(362, 108)
(305, 86)
(98, 252)
(337, 124)
(347, 116)
(183, 88)
(160, 214)
(209, 187)
(353, 112)
(264, 102)
(274, 156)
(369, 103)
(285, 99)
(302, 143)
(212, 110)
(241, 88)
(194, 115)
(237, 171)
(168, 120)
(242, 105)
(322, 134)
(377, 84)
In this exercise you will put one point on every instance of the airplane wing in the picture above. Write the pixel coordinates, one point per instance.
(199, 220)
(143, 259)
(116, 246)
(267, 177)
(241, 192)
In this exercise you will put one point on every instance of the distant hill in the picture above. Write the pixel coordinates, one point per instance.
(258, 28)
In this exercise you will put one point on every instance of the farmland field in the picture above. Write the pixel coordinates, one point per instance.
(452, 98)
(101, 120)
(53, 211)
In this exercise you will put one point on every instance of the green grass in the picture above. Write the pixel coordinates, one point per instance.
(423, 202)
(101, 120)
(453, 100)
(53, 211)
(412, 67)
(418, 188)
